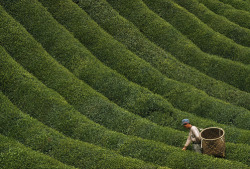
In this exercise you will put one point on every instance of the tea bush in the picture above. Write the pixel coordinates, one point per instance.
(15, 155)
(167, 37)
(201, 34)
(46, 105)
(238, 4)
(116, 25)
(53, 109)
(49, 107)
(19, 86)
(32, 133)
(194, 101)
(216, 22)
(239, 17)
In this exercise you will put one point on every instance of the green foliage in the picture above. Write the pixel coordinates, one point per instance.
(240, 17)
(233, 134)
(238, 4)
(53, 110)
(34, 134)
(38, 97)
(203, 36)
(22, 81)
(182, 160)
(39, 137)
(217, 22)
(125, 32)
(15, 155)
(167, 37)
(63, 118)
(76, 126)
(83, 64)
(241, 150)
(182, 96)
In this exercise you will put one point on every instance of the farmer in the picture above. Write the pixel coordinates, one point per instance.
(194, 136)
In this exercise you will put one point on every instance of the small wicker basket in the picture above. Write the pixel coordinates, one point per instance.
(213, 141)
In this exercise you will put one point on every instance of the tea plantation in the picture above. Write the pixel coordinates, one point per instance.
(106, 83)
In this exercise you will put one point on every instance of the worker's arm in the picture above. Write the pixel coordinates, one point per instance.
(187, 142)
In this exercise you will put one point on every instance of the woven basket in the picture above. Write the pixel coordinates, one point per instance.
(213, 141)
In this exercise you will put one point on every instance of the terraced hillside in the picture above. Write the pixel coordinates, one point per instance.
(106, 83)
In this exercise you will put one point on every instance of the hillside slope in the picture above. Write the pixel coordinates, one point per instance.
(104, 84)
(125, 32)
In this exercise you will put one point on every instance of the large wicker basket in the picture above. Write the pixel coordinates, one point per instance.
(213, 141)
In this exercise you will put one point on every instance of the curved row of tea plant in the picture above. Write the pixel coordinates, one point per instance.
(239, 17)
(57, 75)
(125, 32)
(203, 36)
(194, 101)
(123, 93)
(29, 99)
(32, 133)
(238, 4)
(24, 89)
(31, 64)
(216, 22)
(50, 108)
(67, 37)
(167, 37)
(77, 92)
(54, 111)
(15, 155)
(17, 81)
(75, 57)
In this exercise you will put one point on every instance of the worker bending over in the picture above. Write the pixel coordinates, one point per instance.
(194, 136)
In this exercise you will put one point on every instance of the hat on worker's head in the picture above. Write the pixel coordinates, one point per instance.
(185, 121)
